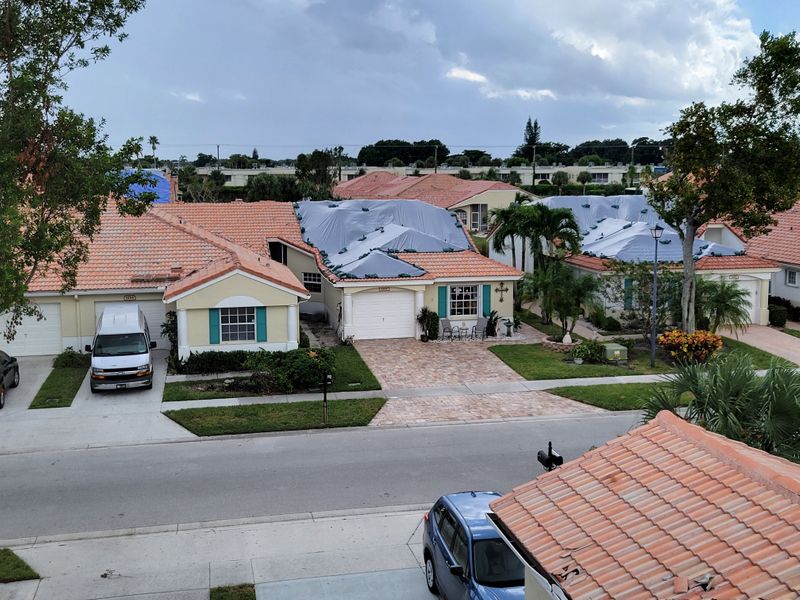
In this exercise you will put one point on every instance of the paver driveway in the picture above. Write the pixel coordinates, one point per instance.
(407, 363)
(505, 405)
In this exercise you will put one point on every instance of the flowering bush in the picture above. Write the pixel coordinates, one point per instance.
(695, 347)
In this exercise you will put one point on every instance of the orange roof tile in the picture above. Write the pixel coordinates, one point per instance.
(781, 243)
(594, 263)
(713, 263)
(439, 265)
(438, 189)
(160, 250)
(651, 512)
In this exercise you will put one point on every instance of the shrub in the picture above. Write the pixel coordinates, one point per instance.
(611, 324)
(268, 382)
(70, 359)
(491, 324)
(589, 350)
(793, 311)
(429, 321)
(215, 361)
(778, 315)
(301, 368)
(304, 341)
(697, 347)
(597, 316)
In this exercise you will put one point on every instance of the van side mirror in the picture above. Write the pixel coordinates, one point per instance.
(87, 348)
(152, 345)
(457, 570)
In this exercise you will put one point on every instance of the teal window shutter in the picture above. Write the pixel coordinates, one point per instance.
(628, 294)
(487, 300)
(442, 302)
(261, 323)
(213, 325)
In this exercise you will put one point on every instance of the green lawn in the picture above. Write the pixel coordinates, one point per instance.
(760, 358)
(619, 396)
(290, 416)
(60, 387)
(352, 373)
(535, 321)
(13, 568)
(245, 591)
(481, 243)
(533, 361)
(180, 391)
(794, 332)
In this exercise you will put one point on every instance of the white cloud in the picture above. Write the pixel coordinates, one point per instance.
(466, 75)
(188, 96)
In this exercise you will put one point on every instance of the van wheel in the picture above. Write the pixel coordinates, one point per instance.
(149, 386)
(430, 574)
(15, 383)
(2, 397)
(92, 388)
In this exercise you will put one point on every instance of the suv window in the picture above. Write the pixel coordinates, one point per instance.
(447, 529)
(459, 547)
(438, 514)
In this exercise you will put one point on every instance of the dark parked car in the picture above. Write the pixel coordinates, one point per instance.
(9, 375)
(465, 558)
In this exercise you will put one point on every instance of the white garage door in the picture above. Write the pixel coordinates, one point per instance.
(154, 311)
(379, 315)
(35, 337)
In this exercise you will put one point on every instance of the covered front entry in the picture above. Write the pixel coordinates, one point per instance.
(35, 337)
(384, 314)
(155, 311)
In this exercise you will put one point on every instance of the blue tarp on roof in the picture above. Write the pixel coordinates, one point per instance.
(160, 185)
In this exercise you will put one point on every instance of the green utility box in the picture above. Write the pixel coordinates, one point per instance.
(616, 353)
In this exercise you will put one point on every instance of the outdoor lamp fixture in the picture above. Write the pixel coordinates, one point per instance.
(656, 233)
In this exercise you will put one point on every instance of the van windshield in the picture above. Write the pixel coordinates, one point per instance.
(120, 344)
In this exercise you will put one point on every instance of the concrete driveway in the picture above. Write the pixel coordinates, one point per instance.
(33, 370)
(770, 340)
(409, 363)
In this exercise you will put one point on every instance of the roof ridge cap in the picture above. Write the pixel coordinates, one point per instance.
(767, 469)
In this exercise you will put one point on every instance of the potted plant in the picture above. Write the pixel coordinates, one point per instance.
(580, 353)
(429, 322)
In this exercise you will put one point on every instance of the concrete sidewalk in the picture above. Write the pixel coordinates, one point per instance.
(464, 389)
(290, 556)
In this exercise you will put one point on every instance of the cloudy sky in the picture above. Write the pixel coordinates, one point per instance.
(288, 76)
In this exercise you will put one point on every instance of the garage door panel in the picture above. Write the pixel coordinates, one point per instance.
(35, 337)
(378, 315)
(154, 311)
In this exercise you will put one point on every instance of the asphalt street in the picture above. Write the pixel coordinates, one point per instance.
(74, 491)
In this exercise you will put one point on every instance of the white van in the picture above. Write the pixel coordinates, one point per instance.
(121, 356)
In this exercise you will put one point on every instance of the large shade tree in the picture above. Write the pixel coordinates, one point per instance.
(57, 171)
(739, 161)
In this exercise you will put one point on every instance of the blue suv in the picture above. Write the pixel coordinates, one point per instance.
(465, 558)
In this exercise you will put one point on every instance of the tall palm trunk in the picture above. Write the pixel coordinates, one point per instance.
(689, 289)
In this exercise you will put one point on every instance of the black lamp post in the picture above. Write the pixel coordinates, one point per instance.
(656, 233)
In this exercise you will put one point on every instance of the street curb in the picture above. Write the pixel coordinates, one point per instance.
(29, 542)
(320, 431)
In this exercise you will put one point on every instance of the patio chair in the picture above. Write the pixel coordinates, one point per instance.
(479, 329)
(447, 329)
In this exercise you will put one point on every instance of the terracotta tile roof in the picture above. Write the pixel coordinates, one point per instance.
(589, 262)
(438, 189)
(707, 263)
(712, 263)
(158, 250)
(781, 243)
(650, 512)
(467, 263)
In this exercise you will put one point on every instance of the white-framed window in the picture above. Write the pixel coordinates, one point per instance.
(599, 177)
(542, 176)
(791, 278)
(237, 324)
(312, 282)
(463, 300)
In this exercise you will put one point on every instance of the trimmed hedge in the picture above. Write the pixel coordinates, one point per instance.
(792, 311)
(215, 361)
(778, 315)
(70, 359)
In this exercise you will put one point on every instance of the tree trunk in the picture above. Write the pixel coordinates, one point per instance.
(688, 294)
(513, 252)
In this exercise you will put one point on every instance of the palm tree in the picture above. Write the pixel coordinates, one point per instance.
(153, 141)
(723, 303)
(551, 230)
(727, 397)
(584, 177)
(507, 226)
